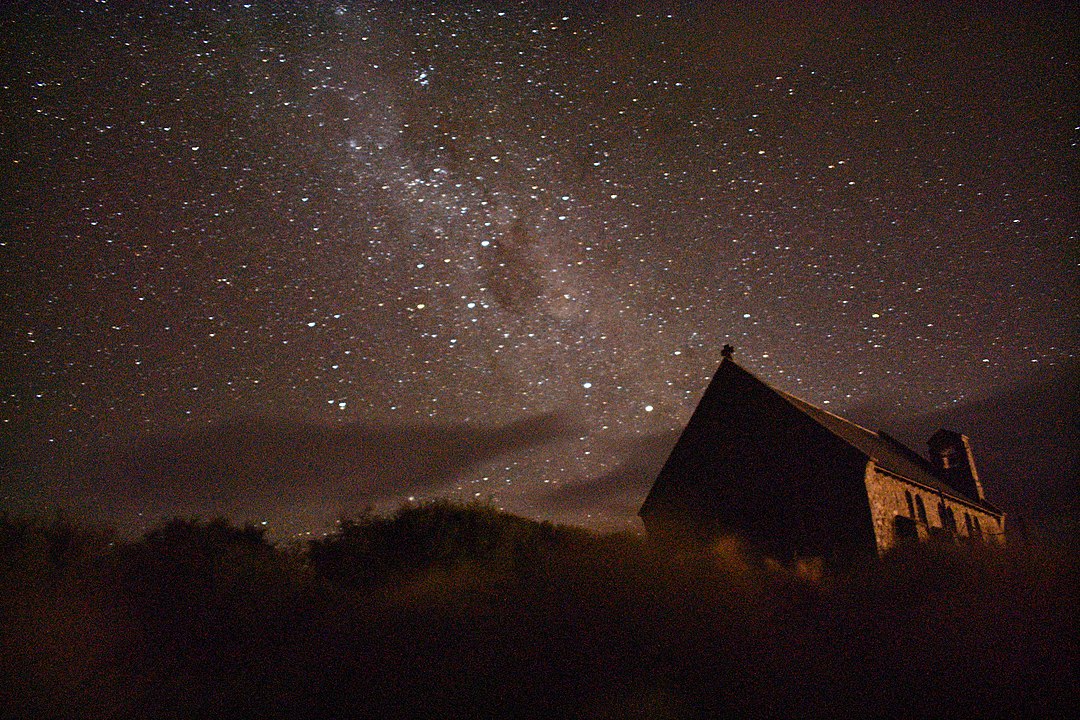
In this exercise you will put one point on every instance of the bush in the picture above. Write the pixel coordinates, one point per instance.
(30, 545)
(436, 535)
(449, 610)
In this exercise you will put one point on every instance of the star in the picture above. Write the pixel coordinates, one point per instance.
(376, 218)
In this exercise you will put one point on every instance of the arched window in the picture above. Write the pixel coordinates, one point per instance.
(948, 519)
(921, 509)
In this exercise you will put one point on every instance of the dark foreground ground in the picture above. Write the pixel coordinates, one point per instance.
(461, 611)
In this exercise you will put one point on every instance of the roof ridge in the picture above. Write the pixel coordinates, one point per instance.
(799, 401)
(915, 455)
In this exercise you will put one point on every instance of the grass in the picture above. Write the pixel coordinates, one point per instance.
(450, 610)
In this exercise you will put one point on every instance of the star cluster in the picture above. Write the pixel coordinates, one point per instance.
(477, 213)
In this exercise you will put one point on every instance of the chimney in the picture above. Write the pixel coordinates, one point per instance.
(952, 457)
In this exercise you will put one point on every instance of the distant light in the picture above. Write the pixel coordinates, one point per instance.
(648, 408)
(586, 385)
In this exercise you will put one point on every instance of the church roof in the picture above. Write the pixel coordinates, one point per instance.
(887, 452)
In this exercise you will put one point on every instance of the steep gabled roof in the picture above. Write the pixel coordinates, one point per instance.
(886, 451)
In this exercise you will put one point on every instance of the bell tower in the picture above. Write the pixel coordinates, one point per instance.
(952, 457)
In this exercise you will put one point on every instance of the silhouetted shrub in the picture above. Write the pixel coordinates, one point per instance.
(188, 581)
(15, 534)
(449, 610)
(438, 534)
(33, 545)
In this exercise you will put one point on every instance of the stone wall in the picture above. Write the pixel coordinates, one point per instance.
(888, 495)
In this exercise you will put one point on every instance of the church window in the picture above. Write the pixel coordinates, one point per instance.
(921, 509)
(948, 520)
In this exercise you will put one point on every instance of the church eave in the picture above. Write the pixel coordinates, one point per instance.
(942, 490)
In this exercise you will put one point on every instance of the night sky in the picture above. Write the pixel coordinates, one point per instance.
(281, 263)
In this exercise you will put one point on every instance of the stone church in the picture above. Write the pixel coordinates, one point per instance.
(797, 481)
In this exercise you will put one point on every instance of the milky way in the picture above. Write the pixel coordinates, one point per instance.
(454, 215)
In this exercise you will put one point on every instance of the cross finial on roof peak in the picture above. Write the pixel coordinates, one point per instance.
(727, 352)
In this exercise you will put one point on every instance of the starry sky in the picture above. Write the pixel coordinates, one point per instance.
(281, 261)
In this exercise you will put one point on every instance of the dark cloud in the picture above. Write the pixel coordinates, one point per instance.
(258, 467)
(614, 498)
(1025, 440)
(515, 281)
